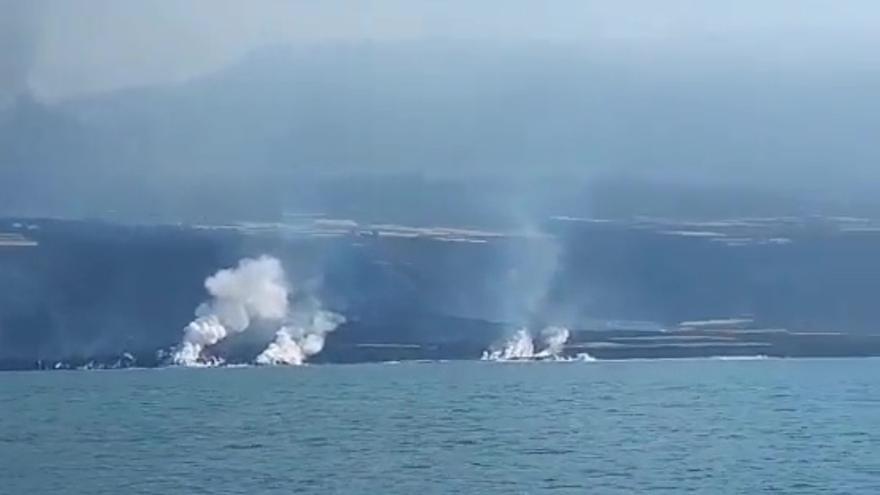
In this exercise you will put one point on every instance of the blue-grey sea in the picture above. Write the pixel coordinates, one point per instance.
(693, 426)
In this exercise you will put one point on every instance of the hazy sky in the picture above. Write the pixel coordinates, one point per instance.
(63, 48)
(768, 93)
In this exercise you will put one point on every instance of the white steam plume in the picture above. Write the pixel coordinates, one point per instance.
(255, 289)
(295, 343)
(554, 339)
(517, 346)
(521, 345)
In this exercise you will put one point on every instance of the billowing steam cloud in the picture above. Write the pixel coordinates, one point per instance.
(518, 346)
(295, 343)
(521, 345)
(256, 289)
(554, 339)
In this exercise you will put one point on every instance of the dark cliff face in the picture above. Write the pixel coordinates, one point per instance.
(95, 289)
(91, 288)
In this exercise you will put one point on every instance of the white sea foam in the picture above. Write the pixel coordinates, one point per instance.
(757, 357)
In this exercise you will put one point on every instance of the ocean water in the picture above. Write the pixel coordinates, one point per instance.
(698, 426)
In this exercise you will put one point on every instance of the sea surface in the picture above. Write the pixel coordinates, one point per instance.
(694, 426)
